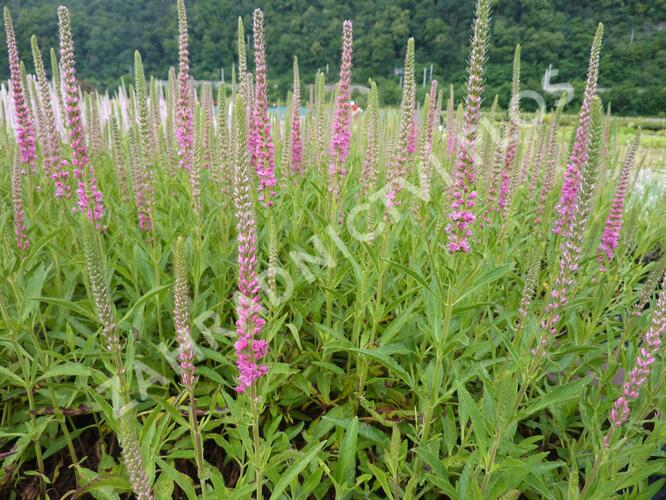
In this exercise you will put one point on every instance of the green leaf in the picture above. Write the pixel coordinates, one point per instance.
(12, 376)
(411, 272)
(138, 303)
(386, 360)
(396, 325)
(163, 486)
(484, 280)
(444, 485)
(67, 304)
(102, 487)
(556, 397)
(32, 289)
(293, 471)
(433, 461)
(346, 466)
(381, 477)
(67, 370)
(627, 479)
(478, 424)
(365, 430)
(180, 479)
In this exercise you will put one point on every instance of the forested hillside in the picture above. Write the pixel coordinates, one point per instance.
(556, 32)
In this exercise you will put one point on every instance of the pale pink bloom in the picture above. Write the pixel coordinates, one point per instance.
(580, 152)
(341, 134)
(262, 143)
(90, 200)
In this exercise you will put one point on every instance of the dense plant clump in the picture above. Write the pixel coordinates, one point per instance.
(223, 301)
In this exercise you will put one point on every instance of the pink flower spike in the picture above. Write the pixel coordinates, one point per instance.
(184, 114)
(54, 166)
(296, 156)
(640, 373)
(611, 235)
(406, 142)
(249, 349)
(90, 200)
(262, 142)
(464, 171)
(341, 133)
(25, 129)
(580, 152)
(433, 116)
(181, 316)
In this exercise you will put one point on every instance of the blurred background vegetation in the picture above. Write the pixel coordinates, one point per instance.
(557, 32)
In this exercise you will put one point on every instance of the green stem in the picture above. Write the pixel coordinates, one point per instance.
(433, 402)
(158, 301)
(197, 271)
(333, 222)
(612, 363)
(362, 365)
(272, 245)
(198, 444)
(359, 316)
(589, 481)
(38, 448)
(63, 425)
(257, 443)
(501, 429)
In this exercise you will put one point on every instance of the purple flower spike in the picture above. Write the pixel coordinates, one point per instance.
(611, 235)
(580, 152)
(184, 116)
(296, 141)
(638, 376)
(249, 349)
(342, 123)
(90, 200)
(263, 149)
(461, 216)
(25, 130)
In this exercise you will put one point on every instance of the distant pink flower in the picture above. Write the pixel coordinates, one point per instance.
(249, 113)
(406, 142)
(90, 200)
(141, 183)
(184, 117)
(640, 373)
(54, 165)
(450, 123)
(411, 142)
(369, 170)
(528, 159)
(573, 239)
(296, 156)
(249, 349)
(580, 152)
(464, 194)
(181, 316)
(341, 133)
(25, 133)
(551, 164)
(505, 185)
(263, 152)
(20, 231)
(495, 174)
(611, 235)
(433, 116)
(512, 138)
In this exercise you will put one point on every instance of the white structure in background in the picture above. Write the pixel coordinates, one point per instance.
(556, 88)
(650, 187)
